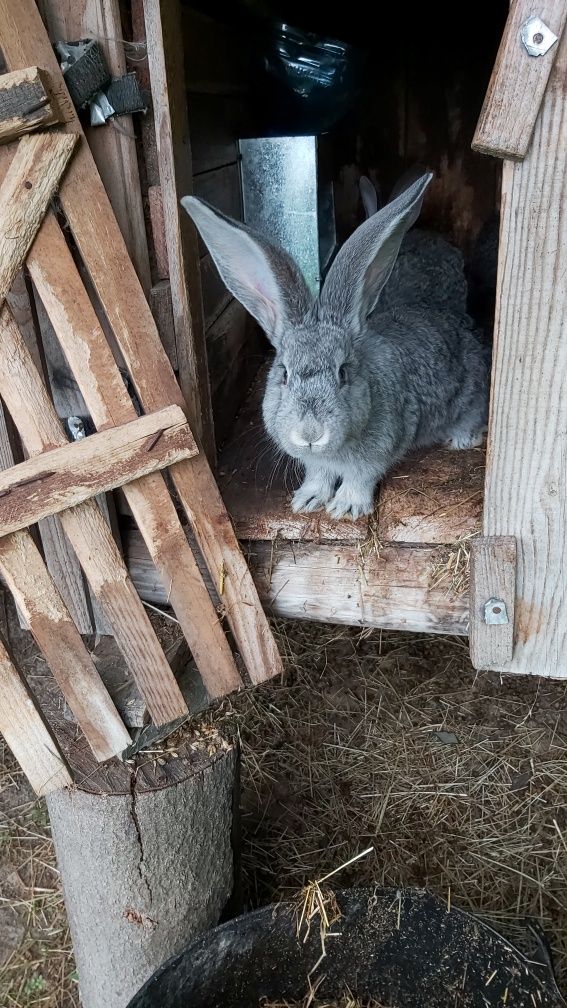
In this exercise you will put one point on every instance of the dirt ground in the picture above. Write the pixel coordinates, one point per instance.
(457, 781)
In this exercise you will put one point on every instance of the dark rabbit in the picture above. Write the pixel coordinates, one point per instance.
(355, 384)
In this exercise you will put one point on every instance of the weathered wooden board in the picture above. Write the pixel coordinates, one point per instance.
(25, 104)
(492, 600)
(388, 587)
(67, 476)
(58, 638)
(162, 311)
(113, 146)
(25, 194)
(518, 83)
(167, 75)
(26, 733)
(526, 486)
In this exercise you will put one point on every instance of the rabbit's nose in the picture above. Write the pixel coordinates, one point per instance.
(309, 436)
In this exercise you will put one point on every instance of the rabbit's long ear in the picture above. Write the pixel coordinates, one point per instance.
(260, 275)
(368, 195)
(364, 263)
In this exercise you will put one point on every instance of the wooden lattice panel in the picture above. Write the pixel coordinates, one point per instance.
(65, 479)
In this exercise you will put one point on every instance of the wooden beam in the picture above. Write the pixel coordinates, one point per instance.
(67, 476)
(164, 42)
(33, 413)
(72, 315)
(59, 555)
(388, 587)
(492, 598)
(518, 83)
(25, 194)
(113, 146)
(23, 41)
(526, 485)
(27, 734)
(60, 643)
(25, 104)
(162, 311)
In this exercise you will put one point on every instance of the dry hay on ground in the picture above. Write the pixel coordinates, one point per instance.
(391, 740)
(457, 779)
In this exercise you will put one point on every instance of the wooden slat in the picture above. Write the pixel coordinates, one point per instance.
(25, 194)
(72, 315)
(339, 583)
(58, 638)
(67, 476)
(155, 202)
(59, 555)
(167, 73)
(26, 733)
(113, 146)
(61, 561)
(23, 41)
(34, 415)
(492, 576)
(518, 83)
(24, 104)
(526, 484)
(162, 311)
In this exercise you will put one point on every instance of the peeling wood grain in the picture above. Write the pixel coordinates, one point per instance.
(25, 104)
(67, 476)
(25, 194)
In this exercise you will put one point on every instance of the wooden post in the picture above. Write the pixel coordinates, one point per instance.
(146, 862)
(526, 476)
(167, 74)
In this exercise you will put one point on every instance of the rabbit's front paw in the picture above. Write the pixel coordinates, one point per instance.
(351, 502)
(312, 495)
(460, 441)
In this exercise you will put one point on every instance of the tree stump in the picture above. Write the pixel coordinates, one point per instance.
(146, 860)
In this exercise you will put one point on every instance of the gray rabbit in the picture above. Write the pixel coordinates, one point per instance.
(356, 383)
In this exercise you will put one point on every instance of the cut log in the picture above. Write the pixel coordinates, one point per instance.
(25, 104)
(164, 855)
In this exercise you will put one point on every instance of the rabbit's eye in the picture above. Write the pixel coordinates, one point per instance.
(342, 375)
(284, 376)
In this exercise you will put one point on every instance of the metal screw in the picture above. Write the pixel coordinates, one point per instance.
(28, 184)
(536, 37)
(495, 612)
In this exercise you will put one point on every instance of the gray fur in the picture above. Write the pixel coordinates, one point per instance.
(416, 374)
